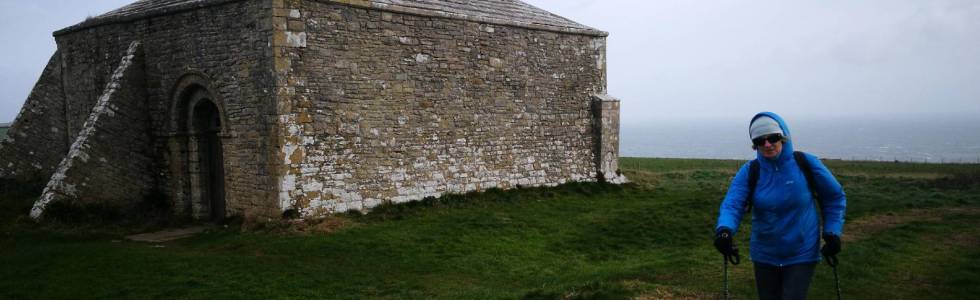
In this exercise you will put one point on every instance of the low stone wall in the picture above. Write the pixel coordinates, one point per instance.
(109, 162)
(3, 130)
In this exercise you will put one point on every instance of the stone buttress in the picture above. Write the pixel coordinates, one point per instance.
(37, 140)
(109, 161)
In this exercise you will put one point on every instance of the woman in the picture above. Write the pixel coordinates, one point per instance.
(785, 226)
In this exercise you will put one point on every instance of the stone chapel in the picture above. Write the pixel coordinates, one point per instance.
(256, 107)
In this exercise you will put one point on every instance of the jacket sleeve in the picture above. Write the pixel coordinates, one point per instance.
(732, 207)
(831, 196)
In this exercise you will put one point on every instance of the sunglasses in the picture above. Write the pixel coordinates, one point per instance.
(772, 139)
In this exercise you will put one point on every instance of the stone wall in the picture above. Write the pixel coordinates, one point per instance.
(380, 105)
(109, 162)
(228, 45)
(37, 139)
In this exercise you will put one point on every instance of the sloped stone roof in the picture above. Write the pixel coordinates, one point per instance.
(501, 12)
(141, 9)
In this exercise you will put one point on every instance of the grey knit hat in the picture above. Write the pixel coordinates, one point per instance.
(764, 125)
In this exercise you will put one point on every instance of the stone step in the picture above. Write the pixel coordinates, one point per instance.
(166, 235)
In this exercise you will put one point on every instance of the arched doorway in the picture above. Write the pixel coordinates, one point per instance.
(196, 156)
(209, 161)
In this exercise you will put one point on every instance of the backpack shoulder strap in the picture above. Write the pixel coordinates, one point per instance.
(753, 180)
(804, 165)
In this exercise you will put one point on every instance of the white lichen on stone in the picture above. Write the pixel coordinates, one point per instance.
(296, 39)
(287, 184)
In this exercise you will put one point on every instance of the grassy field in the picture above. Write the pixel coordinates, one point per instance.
(3, 132)
(910, 234)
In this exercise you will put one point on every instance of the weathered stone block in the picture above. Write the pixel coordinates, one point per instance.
(296, 25)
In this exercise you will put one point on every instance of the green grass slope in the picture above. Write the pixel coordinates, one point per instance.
(911, 234)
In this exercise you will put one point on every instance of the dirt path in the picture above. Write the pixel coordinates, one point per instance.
(869, 226)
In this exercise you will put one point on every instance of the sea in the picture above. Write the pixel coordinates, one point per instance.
(905, 139)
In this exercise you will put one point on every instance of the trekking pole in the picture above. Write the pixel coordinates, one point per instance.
(832, 261)
(734, 259)
(725, 258)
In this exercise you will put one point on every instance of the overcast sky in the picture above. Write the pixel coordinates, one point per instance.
(694, 60)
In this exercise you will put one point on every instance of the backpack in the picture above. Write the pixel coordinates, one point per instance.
(801, 161)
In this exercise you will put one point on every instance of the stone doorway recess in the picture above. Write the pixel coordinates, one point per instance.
(197, 142)
(209, 162)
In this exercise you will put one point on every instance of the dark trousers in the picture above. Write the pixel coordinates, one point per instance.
(783, 283)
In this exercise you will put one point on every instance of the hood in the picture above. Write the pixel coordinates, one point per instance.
(787, 153)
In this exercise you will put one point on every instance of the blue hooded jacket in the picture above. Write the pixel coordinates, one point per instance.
(785, 225)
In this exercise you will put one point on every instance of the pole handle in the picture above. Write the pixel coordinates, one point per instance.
(831, 260)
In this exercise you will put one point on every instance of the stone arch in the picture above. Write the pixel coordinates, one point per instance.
(198, 129)
(182, 95)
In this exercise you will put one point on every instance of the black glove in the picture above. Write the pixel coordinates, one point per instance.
(723, 242)
(831, 245)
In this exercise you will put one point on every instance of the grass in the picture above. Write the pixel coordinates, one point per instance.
(3, 132)
(647, 239)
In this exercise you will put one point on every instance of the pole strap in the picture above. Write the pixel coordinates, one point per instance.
(831, 260)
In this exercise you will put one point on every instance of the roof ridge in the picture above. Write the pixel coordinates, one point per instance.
(500, 12)
(419, 7)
